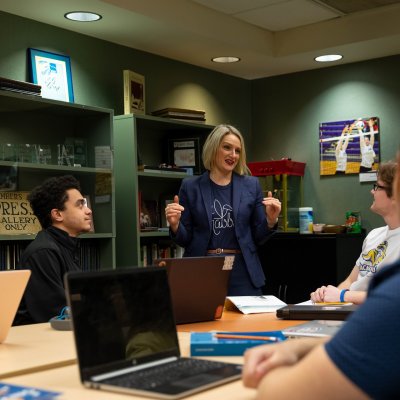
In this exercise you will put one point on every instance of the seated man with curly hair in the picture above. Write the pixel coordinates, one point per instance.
(63, 214)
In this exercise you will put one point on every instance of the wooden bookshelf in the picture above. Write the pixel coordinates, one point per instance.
(147, 136)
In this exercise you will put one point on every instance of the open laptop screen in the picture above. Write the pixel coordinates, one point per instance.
(12, 287)
(198, 286)
(120, 320)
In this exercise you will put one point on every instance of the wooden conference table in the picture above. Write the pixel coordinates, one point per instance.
(37, 355)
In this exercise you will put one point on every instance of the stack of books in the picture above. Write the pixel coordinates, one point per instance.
(163, 170)
(20, 87)
(181, 114)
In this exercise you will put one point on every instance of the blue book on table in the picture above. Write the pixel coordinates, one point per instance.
(230, 343)
(8, 391)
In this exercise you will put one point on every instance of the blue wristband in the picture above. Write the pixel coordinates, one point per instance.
(342, 295)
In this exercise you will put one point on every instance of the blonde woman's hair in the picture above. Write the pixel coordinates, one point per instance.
(212, 143)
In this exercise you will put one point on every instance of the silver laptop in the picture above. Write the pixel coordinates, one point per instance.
(315, 328)
(12, 287)
(126, 338)
(198, 286)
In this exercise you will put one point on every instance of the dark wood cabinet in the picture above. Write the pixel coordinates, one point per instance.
(296, 264)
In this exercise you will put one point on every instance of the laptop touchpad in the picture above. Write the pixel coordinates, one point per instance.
(197, 380)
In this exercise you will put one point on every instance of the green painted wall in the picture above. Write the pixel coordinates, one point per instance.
(97, 68)
(278, 116)
(287, 110)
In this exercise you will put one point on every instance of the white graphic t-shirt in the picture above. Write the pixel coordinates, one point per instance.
(381, 247)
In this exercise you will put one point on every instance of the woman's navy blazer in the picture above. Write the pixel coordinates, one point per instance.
(251, 225)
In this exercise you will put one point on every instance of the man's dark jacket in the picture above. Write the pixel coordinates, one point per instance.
(49, 257)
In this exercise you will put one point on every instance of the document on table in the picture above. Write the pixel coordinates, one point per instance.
(330, 303)
(254, 304)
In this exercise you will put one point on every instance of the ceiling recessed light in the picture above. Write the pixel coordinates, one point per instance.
(82, 16)
(225, 59)
(328, 58)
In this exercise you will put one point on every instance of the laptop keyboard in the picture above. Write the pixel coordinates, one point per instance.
(151, 378)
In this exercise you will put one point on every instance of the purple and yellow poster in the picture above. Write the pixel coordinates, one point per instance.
(349, 146)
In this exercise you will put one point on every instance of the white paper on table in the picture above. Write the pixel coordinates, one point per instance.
(256, 304)
(334, 303)
(306, 303)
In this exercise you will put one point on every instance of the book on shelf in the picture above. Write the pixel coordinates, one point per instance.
(159, 249)
(164, 170)
(89, 256)
(102, 156)
(230, 343)
(27, 92)
(143, 255)
(197, 121)
(134, 93)
(10, 254)
(254, 304)
(179, 112)
(23, 87)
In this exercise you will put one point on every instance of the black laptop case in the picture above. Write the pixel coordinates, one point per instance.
(311, 312)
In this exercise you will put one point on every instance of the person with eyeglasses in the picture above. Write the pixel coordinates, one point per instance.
(381, 246)
(63, 214)
(361, 361)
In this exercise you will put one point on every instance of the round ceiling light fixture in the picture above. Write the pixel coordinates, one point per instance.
(226, 59)
(82, 16)
(328, 58)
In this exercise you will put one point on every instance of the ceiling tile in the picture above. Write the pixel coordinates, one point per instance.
(287, 15)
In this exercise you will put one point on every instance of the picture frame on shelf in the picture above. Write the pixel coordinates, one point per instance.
(148, 218)
(53, 73)
(134, 93)
(185, 153)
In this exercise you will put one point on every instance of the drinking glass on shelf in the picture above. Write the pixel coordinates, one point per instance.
(27, 153)
(9, 152)
(44, 154)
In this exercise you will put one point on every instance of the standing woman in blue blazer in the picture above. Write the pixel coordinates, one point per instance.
(224, 212)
